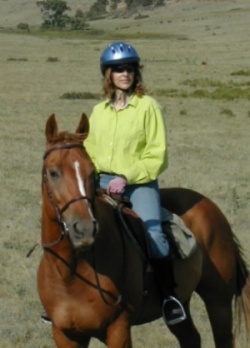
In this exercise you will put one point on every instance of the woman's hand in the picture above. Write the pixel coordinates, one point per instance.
(117, 185)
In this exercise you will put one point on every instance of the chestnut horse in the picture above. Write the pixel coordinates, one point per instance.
(94, 281)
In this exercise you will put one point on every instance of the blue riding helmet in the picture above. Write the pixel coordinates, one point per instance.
(118, 53)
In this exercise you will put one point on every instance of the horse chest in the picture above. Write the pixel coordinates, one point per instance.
(84, 314)
(75, 303)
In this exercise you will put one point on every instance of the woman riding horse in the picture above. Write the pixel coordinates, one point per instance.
(127, 143)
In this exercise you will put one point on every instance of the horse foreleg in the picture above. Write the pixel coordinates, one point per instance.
(119, 333)
(63, 340)
(185, 332)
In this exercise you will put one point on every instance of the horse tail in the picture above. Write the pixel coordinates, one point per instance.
(242, 296)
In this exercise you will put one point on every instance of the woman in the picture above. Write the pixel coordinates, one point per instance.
(127, 143)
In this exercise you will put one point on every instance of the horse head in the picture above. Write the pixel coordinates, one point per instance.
(68, 187)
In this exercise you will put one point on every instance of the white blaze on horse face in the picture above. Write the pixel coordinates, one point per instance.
(81, 185)
(79, 179)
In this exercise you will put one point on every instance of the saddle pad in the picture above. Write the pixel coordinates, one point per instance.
(180, 237)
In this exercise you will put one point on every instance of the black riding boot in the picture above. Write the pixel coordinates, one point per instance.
(172, 309)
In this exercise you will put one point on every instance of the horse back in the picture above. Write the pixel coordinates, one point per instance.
(179, 200)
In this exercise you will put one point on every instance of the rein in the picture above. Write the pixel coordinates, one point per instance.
(59, 212)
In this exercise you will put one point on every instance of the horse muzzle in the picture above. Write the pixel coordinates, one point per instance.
(82, 233)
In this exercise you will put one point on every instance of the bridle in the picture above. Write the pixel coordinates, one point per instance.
(63, 225)
(59, 212)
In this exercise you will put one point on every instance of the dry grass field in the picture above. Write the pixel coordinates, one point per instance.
(196, 63)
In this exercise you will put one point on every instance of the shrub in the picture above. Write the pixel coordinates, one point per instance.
(140, 16)
(17, 59)
(97, 9)
(23, 26)
(52, 59)
(183, 112)
(80, 95)
(227, 112)
(78, 24)
(53, 13)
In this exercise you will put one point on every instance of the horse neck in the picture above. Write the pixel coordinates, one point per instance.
(107, 251)
(61, 260)
(109, 246)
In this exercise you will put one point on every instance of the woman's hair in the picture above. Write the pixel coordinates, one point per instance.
(138, 87)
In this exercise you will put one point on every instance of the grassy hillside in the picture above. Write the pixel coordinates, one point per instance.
(196, 63)
(14, 12)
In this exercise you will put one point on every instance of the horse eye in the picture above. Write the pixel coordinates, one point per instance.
(53, 174)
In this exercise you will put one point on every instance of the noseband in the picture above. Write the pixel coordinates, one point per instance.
(59, 212)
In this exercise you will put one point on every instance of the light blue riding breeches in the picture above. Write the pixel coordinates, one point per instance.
(145, 201)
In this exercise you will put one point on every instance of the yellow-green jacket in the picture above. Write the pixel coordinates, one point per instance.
(129, 142)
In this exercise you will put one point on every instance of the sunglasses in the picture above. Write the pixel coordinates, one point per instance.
(130, 68)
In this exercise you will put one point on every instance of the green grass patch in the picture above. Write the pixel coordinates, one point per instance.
(220, 93)
(230, 93)
(213, 83)
(98, 34)
(169, 92)
(241, 73)
(202, 83)
(209, 89)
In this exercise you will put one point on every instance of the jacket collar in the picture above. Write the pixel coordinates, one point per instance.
(133, 101)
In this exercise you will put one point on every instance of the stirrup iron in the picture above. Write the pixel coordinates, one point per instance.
(179, 312)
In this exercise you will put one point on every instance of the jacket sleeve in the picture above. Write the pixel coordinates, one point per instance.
(90, 143)
(153, 160)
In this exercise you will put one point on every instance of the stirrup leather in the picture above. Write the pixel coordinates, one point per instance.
(178, 312)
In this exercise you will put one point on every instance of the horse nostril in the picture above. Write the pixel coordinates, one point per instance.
(81, 229)
(76, 227)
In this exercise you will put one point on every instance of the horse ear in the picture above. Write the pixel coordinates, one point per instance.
(83, 127)
(51, 129)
